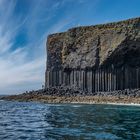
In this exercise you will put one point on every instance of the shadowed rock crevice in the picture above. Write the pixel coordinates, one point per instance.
(126, 54)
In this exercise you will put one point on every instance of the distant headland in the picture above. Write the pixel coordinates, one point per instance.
(100, 63)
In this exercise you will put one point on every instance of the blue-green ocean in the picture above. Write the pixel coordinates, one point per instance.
(38, 121)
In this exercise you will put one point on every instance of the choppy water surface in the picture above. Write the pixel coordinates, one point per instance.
(36, 121)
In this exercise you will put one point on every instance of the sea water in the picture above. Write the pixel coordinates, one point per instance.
(38, 121)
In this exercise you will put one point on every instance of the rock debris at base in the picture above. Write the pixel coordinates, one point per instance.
(67, 91)
(75, 95)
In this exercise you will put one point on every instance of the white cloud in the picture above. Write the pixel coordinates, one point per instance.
(23, 68)
(16, 69)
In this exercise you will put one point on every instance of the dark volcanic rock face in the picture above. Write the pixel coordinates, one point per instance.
(95, 58)
(93, 46)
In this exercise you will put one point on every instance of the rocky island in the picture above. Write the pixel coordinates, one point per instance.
(92, 64)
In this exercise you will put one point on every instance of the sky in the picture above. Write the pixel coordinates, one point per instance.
(25, 25)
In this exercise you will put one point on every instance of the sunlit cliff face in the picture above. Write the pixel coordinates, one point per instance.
(110, 44)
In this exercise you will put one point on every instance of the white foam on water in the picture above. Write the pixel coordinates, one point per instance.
(110, 103)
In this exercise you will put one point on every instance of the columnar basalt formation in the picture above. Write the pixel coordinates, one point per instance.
(95, 58)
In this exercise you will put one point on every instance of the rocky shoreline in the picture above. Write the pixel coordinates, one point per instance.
(75, 95)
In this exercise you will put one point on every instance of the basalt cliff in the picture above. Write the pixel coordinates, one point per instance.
(103, 57)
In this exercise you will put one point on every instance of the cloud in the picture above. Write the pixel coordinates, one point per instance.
(23, 67)
(16, 69)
